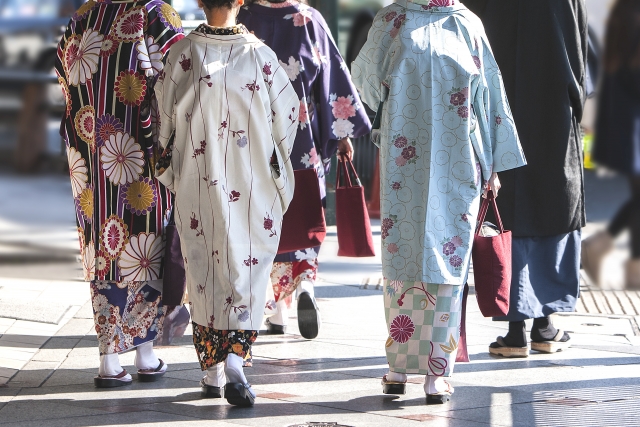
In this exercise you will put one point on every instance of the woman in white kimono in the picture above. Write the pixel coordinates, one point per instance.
(446, 130)
(233, 115)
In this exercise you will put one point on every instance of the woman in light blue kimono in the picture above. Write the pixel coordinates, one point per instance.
(446, 131)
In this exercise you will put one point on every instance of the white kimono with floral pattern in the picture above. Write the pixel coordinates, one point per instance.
(231, 107)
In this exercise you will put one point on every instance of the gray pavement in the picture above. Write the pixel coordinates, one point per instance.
(48, 354)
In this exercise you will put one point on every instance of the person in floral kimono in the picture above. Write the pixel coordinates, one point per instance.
(108, 62)
(228, 119)
(330, 114)
(446, 131)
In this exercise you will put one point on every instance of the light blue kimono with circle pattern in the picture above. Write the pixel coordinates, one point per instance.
(445, 127)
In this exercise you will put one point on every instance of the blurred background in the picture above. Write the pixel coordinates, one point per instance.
(37, 242)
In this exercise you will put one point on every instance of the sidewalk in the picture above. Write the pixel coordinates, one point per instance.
(332, 379)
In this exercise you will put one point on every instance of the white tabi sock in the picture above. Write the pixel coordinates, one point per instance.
(396, 377)
(146, 357)
(109, 365)
(215, 376)
(282, 314)
(434, 385)
(233, 369)
(306, 286)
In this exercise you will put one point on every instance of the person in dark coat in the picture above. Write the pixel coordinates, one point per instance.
(617, 138)
(541, 48)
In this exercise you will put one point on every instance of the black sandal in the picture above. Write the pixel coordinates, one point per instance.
(152, 375)
(440, 398)
(239, 394)
(210, 392)
(112, 381)
(393, 387)
(273, 329)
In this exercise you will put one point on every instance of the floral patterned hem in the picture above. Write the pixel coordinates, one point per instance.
(423, 320)
(214, 345)
(219, 31)
(286, 276)
(126, 314)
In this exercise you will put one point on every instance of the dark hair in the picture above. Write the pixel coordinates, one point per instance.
(216, 4)
(622, 46)
(278, 1)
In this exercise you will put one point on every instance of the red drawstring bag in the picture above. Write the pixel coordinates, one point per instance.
(352, 219)
(492, 264)
(463, 352)
(303, 225)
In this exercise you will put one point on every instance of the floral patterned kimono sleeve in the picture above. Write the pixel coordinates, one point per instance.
(495, 139)
(340, 112)
(165, 94)
(284, 109)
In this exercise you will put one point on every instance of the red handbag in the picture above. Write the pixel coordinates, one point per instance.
(303, 225)
(492, 264)
(352, 219)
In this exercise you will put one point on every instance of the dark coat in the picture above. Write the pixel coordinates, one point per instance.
(541, 48)
(617, 141)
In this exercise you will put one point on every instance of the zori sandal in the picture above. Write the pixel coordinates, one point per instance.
(500, 348)
(111, 381)
(393, 387)
(210, 392)
(560, 342)
(151, 375)
(441, 397)
(239, 394)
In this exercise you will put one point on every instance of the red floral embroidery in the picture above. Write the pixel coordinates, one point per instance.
(402, 328)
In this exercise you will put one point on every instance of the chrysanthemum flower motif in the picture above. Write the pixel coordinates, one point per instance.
(170, 17)
(139, 196)
(129, 27)
(402, 328)
(100, 303)
(89, 262)
(107, 125)
(85, 203)
(150, 57)
(77, 171)
(103, 264)
(113, 236)
(131, 87)
(67, 96)
(122, 159)
(81, 57)
(292, 68)
(342, 128)
(142, 257)
(109, 46)
(84, 10)
(85, 124)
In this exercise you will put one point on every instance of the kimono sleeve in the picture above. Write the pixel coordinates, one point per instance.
(62, 80)
(339, 111)
(494, 134)
(165, 97)
(164, 29)
(370, 69)
(285, 107)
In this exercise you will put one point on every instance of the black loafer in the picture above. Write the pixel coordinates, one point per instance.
(210, 392)
(308, 316)
(239, 394)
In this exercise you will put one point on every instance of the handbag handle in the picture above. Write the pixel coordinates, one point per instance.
(485, 208)
(344, 166)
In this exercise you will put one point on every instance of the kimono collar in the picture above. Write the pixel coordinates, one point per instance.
(430, 4)
(435, 6)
